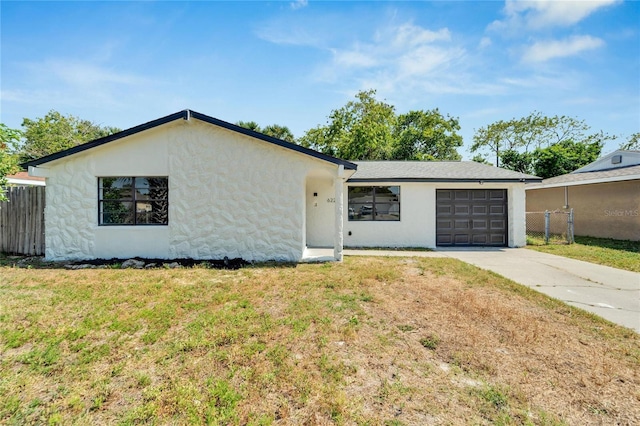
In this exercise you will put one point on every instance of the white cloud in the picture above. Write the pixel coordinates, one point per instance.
(539, 14)
(298, 4)
(408, 35)
(404, 52)
(296, 35)
(74, 84)
(354, 58)
(484, 42)
(545, 50)
(401, 59)
(77, 73)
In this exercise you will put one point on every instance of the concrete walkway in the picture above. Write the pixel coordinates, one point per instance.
(611, 293)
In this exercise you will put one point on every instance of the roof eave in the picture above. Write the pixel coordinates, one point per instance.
(444, 180)
(595, 181)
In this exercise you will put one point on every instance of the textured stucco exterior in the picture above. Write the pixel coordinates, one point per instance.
(417, 224)
(605, 210)
(229, 195)
(236, 193)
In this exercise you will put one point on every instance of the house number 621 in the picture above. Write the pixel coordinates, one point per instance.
(331, 200)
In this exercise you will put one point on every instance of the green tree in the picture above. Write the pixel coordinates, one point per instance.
(368, 129)
(360, 130)
(479, 158)
(517, 161)
(529, 133)
(9, 139)
(426, 135)
(280, 132)
(55, 132)
(564, 157)
(251, 125)
(273, 130)
(632, 143)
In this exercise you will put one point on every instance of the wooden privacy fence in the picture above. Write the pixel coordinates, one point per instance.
(22, 221)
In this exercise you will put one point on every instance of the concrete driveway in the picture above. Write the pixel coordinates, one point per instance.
(611, 293)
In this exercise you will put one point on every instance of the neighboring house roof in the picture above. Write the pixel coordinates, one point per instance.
(187, 115)
(615, 160)
(620, 165)
(23, 179)
(586, 178)
(435, 171)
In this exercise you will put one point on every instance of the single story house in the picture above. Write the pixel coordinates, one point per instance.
(191, 186)
(604, 196)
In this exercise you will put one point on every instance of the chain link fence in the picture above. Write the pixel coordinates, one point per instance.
(550, 227)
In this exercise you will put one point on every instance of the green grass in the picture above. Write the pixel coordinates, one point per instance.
(615, 253)
(365, 341)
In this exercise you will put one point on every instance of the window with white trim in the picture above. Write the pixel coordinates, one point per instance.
(133, 200)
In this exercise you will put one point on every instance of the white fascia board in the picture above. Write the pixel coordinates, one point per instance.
(25, 182)
(38, 171)
(582, 182)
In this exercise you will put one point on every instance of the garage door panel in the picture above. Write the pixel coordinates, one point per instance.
(481, 210)
(444, 239)
(444, 195)
(497, 210)
(444, 210)
(471, 217)
(463, 210)
(498, 224)
(462, 195)
(444, 225)
(479, 239)
(480, 225)
(496, 195)
(479, 195)
(461, 224)
(461, 239)
(497, 239)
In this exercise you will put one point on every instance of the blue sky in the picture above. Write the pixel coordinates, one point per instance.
(292, 62)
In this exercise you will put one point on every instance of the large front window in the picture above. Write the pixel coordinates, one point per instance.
(133, 200)
(374, 203)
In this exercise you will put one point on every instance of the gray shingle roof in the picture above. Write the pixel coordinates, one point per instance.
(622, 173)
(435, 171)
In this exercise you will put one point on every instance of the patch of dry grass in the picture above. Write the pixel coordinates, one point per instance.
(367, 341)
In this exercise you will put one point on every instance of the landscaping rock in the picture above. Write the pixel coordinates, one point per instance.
(132, 263)
(81, 266)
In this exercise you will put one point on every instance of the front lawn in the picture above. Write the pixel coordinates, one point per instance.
(370, 341)
(604, 251)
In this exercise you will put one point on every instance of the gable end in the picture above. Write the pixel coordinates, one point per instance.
(188, 115)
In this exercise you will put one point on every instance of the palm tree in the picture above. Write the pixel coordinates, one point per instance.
(280, 132)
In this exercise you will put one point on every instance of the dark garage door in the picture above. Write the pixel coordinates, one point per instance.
(471, 217)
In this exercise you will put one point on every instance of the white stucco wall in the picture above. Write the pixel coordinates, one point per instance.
(517, 215)
(320, 210)
(229, 195)
(417, 225)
